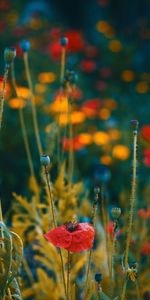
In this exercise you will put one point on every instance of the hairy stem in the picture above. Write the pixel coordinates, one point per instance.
(34, 113)
(132, 200)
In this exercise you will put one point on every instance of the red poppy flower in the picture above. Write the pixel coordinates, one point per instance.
(74, 237)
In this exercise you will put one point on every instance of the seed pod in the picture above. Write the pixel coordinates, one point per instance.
(64, 41)
(9, 55)
(45, 160)
(116, 212)
(25, 45)
(98, 277)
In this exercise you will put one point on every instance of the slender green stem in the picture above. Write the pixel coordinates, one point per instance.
(62, 64)
(68, 276)
(51, 204)
(71, 158)
(137, 290)
(124, 290)
(90, 253)
(34, 113)
(23, 125)
(132, 199)
(2, 95)
(1, 215)
(105, 223)
(50, 197)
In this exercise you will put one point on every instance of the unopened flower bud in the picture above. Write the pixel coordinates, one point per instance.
(25, 45)
(45, 160)
(98, 277)
(9, 55)
(135, 124)
(64, 41)
(116, 212)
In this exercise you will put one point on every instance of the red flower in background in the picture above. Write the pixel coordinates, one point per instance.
(74, 237)
(55, 50)
(88, 65)
(145, 133)
(76, 42)
(144, 213)
(91, 107)
(146, 248)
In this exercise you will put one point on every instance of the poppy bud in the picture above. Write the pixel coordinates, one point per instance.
(45, 160)
(116, 212)
(63, 41)
(25, 45)
(135, 124)
(98, 277)
(9, 55)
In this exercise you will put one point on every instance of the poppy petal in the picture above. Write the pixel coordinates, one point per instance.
(82, 239)
(59, 236)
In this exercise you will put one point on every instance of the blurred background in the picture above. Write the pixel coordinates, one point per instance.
(109, 46)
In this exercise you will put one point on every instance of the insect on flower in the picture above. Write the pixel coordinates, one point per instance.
(74, 237)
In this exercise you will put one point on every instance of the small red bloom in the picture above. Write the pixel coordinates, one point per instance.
(146, 249)
(76, 42)
(145, 133)
(72, 237)
(88, 65)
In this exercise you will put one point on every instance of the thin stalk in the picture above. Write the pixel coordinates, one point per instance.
(71, 157)
(9, 294)
(62, 64)
(132, 200)
(105, 223)
(50, 197)
(34, 113)
(68, 276)
(90, 253)
(1, 215)
(137, 290)
(23, 125)
(124, 290)
(2, 95)
(51, 204)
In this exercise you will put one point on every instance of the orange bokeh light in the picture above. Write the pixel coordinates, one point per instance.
(47, 77)
(121, 152)
(101, 138)
(15, 103)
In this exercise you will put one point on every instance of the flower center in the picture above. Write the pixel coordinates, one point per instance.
(70, 226)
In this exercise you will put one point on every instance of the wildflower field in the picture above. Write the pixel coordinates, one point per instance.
(74, 150)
